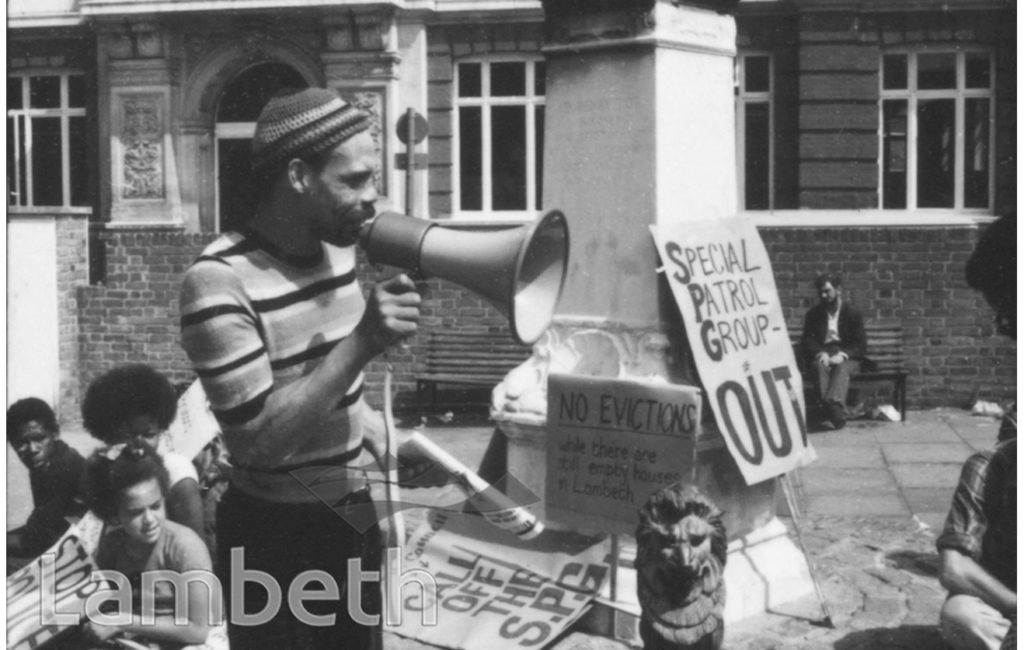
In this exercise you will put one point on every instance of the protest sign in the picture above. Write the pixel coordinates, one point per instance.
(613, 442)
(722, 280)
(194, 424)
(492, 589)
(49, 595)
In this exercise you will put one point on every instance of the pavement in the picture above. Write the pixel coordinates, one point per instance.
(869, 509)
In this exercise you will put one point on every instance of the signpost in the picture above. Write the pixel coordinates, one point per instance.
(722, 280)
(412, 129)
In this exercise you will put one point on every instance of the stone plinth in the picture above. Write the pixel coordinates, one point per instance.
(640, 132)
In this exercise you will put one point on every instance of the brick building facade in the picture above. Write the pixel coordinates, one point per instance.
(876, 141)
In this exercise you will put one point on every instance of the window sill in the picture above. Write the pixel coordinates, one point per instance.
(46, 211)
(476, 220)
(867, 218)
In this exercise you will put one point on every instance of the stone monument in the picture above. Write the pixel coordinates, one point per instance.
(640, 132)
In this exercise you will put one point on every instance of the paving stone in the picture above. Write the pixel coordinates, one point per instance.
(933, 520)
(855, 482)
(844, 438)
(848, 506)
(908, 434)
(923, 500)
(927, 475)
(865, 456)
(930, 452)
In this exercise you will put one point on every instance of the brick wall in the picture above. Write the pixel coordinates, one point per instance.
(911, 275)
(916, 277)
(134, 316)
(72, 272)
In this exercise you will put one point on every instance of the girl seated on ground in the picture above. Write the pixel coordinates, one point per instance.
(128, 492)
(137, 403)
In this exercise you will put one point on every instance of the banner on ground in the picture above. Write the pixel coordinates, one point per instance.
(49, 595)
(492, 589)
(722, 280)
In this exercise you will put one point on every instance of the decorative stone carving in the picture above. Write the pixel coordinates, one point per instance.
(366, 67)
(141, 139)
(359, 33)
(595, 349)
(118, 46)
(149, 43)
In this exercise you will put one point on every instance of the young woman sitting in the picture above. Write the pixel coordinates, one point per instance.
(129, 492)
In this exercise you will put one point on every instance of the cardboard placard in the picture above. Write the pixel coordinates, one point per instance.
(721, 278)
(194, 424)
(49, 595)
(613, 442)
(492, 589)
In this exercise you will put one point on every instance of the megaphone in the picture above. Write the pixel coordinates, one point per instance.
(521, 270)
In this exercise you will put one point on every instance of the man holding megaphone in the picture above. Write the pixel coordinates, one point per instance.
(278, 330)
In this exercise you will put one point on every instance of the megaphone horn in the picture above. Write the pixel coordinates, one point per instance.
(521, 270)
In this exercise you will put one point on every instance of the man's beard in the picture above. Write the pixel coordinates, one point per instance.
(347, 228)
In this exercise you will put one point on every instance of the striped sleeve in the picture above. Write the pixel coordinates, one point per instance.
(221, 336)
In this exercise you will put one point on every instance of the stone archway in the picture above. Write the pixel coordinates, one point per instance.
(202, 92)
(237, 111)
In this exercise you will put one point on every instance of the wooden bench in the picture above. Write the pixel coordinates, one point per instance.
(884, 361)
(467, 359)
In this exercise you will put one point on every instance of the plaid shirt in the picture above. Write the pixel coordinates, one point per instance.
(982, 521)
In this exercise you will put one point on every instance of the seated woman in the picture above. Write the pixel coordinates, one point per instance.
(137, 403)
(128, 493)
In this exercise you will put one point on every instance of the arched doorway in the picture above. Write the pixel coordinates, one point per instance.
(239, 106)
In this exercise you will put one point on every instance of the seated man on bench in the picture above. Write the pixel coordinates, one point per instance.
(834, 344)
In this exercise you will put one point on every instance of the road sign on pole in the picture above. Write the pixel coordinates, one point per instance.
(412, 129)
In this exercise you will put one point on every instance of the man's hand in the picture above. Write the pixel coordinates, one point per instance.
(392, 312)
(837, 358)
(822, 359)
(415, 469)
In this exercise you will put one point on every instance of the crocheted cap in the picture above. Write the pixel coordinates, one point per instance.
(312, 120)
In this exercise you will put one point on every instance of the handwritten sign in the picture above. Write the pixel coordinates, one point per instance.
(51, 594)
(612, 443)
(493, 590)
(194, 424)
(722, 280)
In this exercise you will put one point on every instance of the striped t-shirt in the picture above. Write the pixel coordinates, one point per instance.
(253, 321)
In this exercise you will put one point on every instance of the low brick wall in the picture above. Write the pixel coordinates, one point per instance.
(911, 275)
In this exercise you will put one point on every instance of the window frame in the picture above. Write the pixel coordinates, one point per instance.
(226, 131)
(743, 99)
(530, 101)
(912, 95)
(22, 138)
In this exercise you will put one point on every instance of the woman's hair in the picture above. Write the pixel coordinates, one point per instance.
(123, 394)
(106, 478)
(26, 410)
